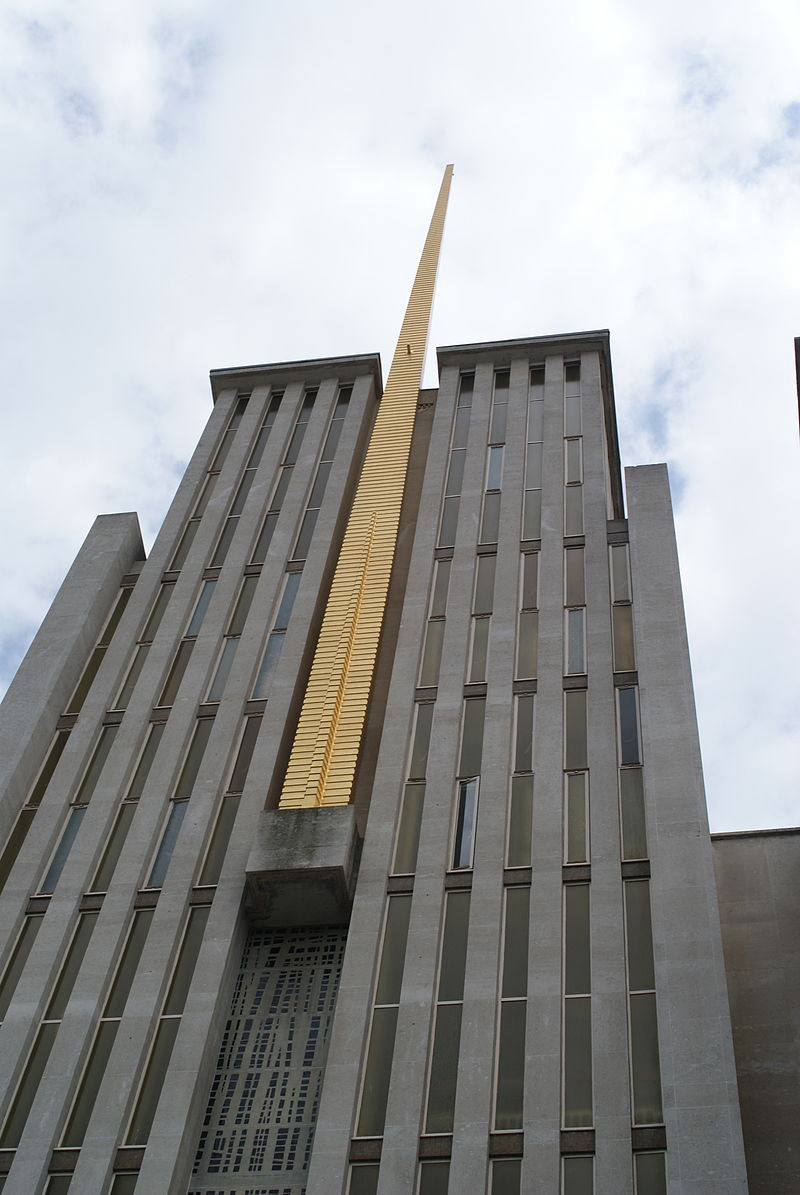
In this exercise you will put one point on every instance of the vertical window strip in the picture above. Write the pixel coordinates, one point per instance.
(528, 620)
(309, 522)
(644, 1052)
(274, 644)
(532, 498)
(576, 817)
(75, 703)
(230, 642)
(363, 1178)
(490, 518)
(284, 477)
(229, 805)
(434, 1178)
(143, 644)
(621, 609)
(443, 1062)
(573, 450)
(24, 820)
(17, 960)
(184, 649)
(410, 820)
(378, 1059)
(574, 612)
(630, 751)
(505, 1176)
(434, 631)
(60, 992)
(632, 813)
(455, 470)
(510, 1076)
(577, 1174)
(155, 1071)
(247, 479)
(577, 1029)
(179, 802)
(651, 1173)
(482, 604)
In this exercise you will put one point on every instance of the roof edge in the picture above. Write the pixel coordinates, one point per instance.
(314, 368)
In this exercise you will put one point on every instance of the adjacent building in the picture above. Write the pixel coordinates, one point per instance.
(356, 839)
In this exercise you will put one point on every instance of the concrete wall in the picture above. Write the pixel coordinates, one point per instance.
(758, 881)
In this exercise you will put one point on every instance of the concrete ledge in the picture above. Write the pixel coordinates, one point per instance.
(302, 867)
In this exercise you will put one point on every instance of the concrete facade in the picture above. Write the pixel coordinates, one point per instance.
(225, 859)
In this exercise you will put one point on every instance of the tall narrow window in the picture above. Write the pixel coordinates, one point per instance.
(75, 703)
(434, 632)
(16, 963)
(629, 748)
(434, 1178)
(621, 609)
(407, 843)
(274, 644)
(575, 641)
(482, 602)
(576, 817)
(323, 472)
(506, 1174)
(378, 1064)
(509, 1083)
(528, 625)
(467, 785)
(230, 642)
(573, 450)
(248, 477)
(179, 802)
(577, 1175)
(575, 744)
(122, 822)
(651, 1174)
(645, 1065)
(183, 654)
(490, 520)
(421, 741)
(632, 815)
(523, 739)
(24, 820)
(577, 1095)
(284, 477)
(229, 805)
(143, 646)
(455, 471)
(520, 822)
(443, 1067)
(532, 500)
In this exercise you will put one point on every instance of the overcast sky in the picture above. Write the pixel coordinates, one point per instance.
(191, 185)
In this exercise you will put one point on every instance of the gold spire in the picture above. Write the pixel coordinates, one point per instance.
(328, 736)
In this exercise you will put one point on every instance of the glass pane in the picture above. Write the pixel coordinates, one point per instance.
(29, 1085)
(576, 846)
(515, 942)
(111, 855)
(484, 584)
(187, 959)
(259, 446)
(440, 586)
(290, 588)
(573, 510)
(577, 1062)
(241, 494)
(72, 965)
(434, 1178)
(501, 384)
(157, 613)
(16, 964)
(634, 832)
(622, 616)
(536, 382)
(497, 432)
(465, 823)
(364, 1179)
(621, 589)
(506, 1176)
(572, 377)
(447, 534)
(223, 669)
(576, 661)
(201, 607)
(90, 1085)
(182, 657)
(480, 649)
(145, 763)
(377, 1072)
(280, 489)
(155, 1074)
(572, 415)
(194, 757)
(245, 755)
(405, 854)
(205, 494)
(89, 782)
(532, 515)
(510, 1065)
(444, 1069)
(472, 736)
(494, 473)
(15, 840)
(651, 1176)
(320, 481)
(490, 524)
(577, 962)
(116, 614)
(393, 952)
(293, 450)
(577, 1173)
(134, 672)
(223, 450)
(523, 752)
(44, 777)
(132, 952)
(530, 579)
(179, 559)
(262, 546)
(85, 683)
(272, 653)
(454, 946)
(306, 533)
(422, 738)
(228, 532)
(432, 654)
(628, 727)
(535, 422)
(124, 1183)
(465, 389)
(58, 1184)
(177, 812)
(644, 1060)
(574, 583)
(641, 976)
(62, 850)
(219, 841)
(575, 730)
(573, 467)
(242, 608)
(455, 473)
(328, 453)
(533, 467)
(461, 428)
(520, 824)
(528, 644)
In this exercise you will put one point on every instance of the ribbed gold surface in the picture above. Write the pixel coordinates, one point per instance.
(326, 744)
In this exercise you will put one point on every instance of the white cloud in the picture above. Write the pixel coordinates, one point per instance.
(188, 187)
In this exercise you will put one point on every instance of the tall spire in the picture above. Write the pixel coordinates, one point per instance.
(328, 736)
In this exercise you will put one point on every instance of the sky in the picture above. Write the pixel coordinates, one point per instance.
(190, 185)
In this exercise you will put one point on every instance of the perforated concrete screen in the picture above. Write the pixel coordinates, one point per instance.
(262, 1107)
